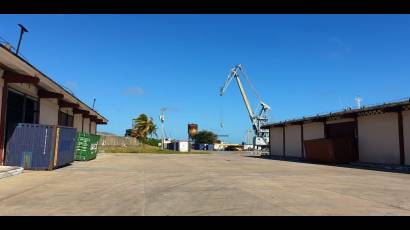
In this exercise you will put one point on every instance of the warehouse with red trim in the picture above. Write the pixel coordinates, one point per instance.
(29, 96)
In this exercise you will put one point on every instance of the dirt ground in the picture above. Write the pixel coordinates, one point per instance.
(203, 184)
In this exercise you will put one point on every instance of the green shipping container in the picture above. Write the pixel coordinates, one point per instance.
(86, 147)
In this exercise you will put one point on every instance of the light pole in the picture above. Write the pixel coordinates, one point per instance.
(162, 119)
(22, 31)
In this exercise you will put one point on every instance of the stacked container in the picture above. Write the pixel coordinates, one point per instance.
(40, 147)
(87, 146)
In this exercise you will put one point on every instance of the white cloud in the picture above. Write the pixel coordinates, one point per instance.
(134, 91)
(71, 85)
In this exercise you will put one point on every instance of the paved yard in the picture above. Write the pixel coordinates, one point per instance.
(215, 184)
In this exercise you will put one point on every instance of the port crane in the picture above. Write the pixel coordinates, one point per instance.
(261, 138)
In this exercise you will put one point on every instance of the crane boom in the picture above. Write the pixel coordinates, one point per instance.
(234, 74)
(261, 135)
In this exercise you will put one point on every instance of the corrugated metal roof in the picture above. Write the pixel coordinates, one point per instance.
(386, 107)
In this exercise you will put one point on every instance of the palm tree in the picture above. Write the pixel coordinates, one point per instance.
(143, 127)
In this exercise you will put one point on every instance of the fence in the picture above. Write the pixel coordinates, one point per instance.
(106, 141)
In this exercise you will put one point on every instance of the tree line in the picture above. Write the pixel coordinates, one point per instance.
(144, 129)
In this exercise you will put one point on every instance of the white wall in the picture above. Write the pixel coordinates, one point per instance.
(86, 125)
(78, 121)
(293, 145)
(93, 127)
(276, 141)
(314, 130)
(406, 135)
(379, 138)
(48, 111)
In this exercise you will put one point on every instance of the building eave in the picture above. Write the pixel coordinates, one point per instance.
(11, 61)
(349, 113)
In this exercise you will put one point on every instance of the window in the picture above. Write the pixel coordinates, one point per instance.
(31, 114)
(22, 108)
(65, 119)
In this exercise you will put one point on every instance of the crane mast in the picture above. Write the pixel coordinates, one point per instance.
(261, 135)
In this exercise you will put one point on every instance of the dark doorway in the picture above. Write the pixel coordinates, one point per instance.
(338, 130)
(20, 109)
(346, 130)
(65, 119)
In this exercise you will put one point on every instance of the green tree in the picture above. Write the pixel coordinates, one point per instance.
(205, 137)
(128, 132)
(143, 126)
(152, 141)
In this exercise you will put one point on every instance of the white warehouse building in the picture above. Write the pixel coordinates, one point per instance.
(379, 134)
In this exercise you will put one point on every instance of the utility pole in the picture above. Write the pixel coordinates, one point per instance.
(22, 31)
(162, 119)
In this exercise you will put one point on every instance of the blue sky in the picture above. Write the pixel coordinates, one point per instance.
(300, 64)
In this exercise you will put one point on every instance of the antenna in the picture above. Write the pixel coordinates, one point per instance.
(358, 100)
(22, 31)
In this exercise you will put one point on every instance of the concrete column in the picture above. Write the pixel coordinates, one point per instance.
(86, 126)
(406, 136)
(49, 111)
(3, 89)
(78, 121)
(276, 141)
(293, 140)
(93, 127)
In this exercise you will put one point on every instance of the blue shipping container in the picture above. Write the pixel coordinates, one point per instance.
(33, 146)
(66, 145)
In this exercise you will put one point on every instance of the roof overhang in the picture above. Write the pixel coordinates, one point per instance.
(24, 71)
(42, 93)
(80, 111)
(14, 77)
(348, 113)
(66, 104)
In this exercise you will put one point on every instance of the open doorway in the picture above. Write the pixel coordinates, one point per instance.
(346, 130)
(21, 108)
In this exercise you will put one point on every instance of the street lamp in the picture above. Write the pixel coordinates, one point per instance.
(22, 31)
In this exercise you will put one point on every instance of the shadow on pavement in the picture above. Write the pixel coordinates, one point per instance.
(355, 165)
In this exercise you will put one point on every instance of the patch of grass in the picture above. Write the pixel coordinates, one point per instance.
(143, 149)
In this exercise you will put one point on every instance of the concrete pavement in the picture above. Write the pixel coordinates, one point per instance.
(6, 171)
(203, 184)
